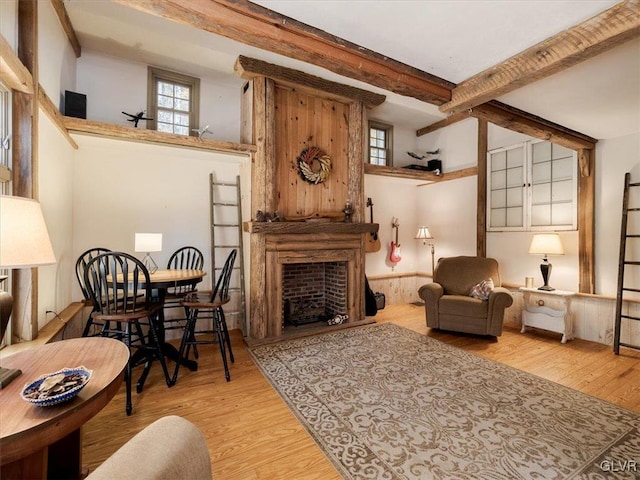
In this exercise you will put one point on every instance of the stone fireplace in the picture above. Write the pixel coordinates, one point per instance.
(285, 113)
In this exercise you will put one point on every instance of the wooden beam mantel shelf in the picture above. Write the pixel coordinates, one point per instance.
(418, 174)
(280, 228)
(91, 127)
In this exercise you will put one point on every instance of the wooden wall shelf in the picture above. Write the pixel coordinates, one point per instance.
(400, 172)
(91, 127)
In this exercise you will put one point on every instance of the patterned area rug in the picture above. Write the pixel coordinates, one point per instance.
(384, 402)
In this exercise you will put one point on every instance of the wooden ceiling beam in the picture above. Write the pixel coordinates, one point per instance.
(13, 73)
(251, 24)
(249, 68)
(592, 37)
(450, 120)
(520, 121)
(65, 21)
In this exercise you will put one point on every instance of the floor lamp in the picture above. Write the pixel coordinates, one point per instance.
(24, 243)
(424, 235)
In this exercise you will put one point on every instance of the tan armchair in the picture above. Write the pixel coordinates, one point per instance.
(448, 304)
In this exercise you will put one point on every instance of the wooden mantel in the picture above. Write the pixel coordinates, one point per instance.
(314, 228)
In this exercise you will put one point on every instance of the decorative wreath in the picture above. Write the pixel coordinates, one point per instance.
(314, 165)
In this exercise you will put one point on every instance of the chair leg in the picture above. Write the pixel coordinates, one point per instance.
(220, 334)
(128, 373)
(163, 363)
(185, 342)
(226, 335)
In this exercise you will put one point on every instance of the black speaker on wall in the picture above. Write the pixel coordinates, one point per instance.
(75, 104)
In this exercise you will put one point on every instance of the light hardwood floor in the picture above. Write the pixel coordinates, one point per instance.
(253, 435)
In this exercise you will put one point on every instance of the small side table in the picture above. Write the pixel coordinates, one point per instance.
(537, 314)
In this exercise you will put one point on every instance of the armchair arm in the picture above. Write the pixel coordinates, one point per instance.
(431, 293)
(499, 299)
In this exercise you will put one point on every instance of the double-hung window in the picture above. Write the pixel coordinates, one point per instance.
(532, 186)
(380, 144)
(172, 103)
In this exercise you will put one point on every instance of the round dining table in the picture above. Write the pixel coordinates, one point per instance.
(45, 442)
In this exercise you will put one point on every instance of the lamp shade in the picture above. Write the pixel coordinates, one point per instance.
(423, 233)
(24, 240)
(546, 244)
(148, 242)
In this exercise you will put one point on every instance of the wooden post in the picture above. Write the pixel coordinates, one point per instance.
(481, 228)
(586, 221)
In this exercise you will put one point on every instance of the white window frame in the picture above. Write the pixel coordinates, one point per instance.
(528, 183)
(388, 129)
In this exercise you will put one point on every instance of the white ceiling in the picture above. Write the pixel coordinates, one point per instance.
(452, 39)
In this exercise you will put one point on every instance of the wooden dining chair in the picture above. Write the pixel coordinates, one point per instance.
(211, 302)
(119, 286)
(81, 265)
(189, 258)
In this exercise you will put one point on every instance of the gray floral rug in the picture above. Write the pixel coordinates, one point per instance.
(384, 402)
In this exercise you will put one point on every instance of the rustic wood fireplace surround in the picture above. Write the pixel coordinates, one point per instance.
(285, 112)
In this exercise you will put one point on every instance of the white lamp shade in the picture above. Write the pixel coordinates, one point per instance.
(546, 244)
(423, 233)
(24, 240)
(148, 242)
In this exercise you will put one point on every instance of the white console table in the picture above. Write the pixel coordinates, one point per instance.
(538, 314)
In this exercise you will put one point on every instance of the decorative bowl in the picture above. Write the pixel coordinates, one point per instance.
(57, 387)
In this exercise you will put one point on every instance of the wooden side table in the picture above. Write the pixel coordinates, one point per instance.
(537, 314)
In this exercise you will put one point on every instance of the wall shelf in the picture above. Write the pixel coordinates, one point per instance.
(79, 125)
(400, 172)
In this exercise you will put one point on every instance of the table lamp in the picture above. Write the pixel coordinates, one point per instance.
(424, 235)
(546, 244)
(24, 242)
(148, 242)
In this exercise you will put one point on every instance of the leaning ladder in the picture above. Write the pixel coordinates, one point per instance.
(229, 213)
(623, 264)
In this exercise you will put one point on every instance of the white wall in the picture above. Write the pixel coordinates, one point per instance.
(122, 187)
(8, 22)
(113, 85)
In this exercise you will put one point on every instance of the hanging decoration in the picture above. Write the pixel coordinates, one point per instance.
(314, 165)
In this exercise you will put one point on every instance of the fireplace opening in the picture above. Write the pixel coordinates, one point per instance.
(313, 292)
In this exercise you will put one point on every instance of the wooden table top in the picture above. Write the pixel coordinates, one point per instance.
(26, 428)
(170, 278)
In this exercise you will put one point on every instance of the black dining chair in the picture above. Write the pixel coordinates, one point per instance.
(211, 302)
(185, 258)
(119, 286)
(81, 265)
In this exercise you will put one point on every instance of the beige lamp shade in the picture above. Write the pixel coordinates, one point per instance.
(24, 240)
(423, 234)
(148, 242)
(546, 244)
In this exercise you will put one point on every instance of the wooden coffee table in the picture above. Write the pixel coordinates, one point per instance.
(40, 442)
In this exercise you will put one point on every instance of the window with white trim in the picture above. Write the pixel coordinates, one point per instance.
(380, 144)
(532, 186)
(172, 103)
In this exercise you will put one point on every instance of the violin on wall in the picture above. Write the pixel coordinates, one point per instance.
(395, 246)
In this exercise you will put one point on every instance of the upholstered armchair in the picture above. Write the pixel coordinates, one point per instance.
(448, 301)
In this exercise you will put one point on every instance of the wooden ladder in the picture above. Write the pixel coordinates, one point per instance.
(623, 264)
(226, 234)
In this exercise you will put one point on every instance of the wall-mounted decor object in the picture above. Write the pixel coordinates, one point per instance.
(314, 165)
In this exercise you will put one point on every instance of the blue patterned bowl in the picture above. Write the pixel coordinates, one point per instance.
(57, 387)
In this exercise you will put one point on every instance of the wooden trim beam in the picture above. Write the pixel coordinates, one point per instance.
(13, 73)
(5, 174)
(450, 120)
(520, 121)
(400, 172)
(65, 21)
(54, 115)
(481, 213)
(251, 24)
(151, 136)
(592, 37)
(586, 227)
(249, 68)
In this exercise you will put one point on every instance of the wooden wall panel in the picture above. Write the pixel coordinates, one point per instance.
(303, 120)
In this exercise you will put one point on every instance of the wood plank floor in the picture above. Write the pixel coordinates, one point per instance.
(253, 435)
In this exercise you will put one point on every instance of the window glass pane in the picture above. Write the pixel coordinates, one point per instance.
(499, 217)
(498, 180)
(541, 172)
(165, 102)
(182, 130)
(515, 157)
(541, 194)
(165, 89)
(562, 191)
(165, 116)
(561, 214)
(514, 197)
(514, 177)
(562, 169)
(380, 143)
(382, 154)
(165, 127)
(498, 161)
(182, 105)
(560, 152)
(181, 119)
(498, 199)
(540, 215)
(514, 217)
(541, 152)
(182, 92)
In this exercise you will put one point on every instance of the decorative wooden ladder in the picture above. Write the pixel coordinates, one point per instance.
(623, 263)
(230, 214)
